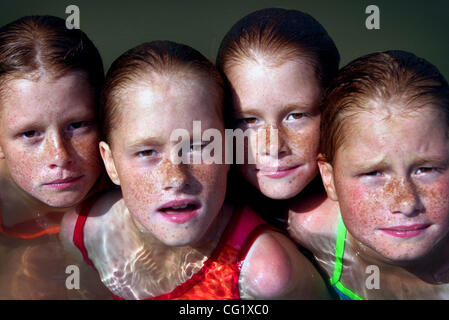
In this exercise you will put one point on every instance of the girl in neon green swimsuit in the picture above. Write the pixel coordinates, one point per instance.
(383, 232)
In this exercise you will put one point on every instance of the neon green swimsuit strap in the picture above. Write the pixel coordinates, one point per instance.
(339, 252)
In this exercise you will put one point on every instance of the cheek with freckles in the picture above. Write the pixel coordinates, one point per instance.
(24, 170)
(30, 169)
(358, 207)
(145, 191)
(301, 148)
(366, 209)
(87, 154)
(140, 191)
(304, 143)
(435, 199)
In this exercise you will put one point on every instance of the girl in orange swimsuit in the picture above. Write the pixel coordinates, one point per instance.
(169, 233)
(49, 84)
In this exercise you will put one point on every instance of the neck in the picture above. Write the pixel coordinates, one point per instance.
(432, 268)
(204, 247)
(23, 216)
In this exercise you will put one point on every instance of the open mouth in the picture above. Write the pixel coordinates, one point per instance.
(179, 211)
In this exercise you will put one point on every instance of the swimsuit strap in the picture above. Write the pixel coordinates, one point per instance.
(243, 229)
(339, 252)
(26, 235)
(78, 232)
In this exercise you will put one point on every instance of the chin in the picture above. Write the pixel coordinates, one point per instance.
(178, 242)
(278, 196)
(274, 193)
(402, 257)
(62, 203)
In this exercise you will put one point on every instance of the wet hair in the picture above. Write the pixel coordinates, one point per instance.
(36, 45)
(386, 77)
(281, 35)
(158, 57)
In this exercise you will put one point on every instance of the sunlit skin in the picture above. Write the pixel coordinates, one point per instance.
(395, 174)
(391, 184)
(143, 157)
(156, 251)
(48, 132)
(283, 97)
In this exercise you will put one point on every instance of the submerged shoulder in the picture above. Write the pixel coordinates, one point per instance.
(275, 269)
(311, 217)
(100, 209)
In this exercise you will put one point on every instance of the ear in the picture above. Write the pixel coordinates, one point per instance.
(106, 155)
(327, 175)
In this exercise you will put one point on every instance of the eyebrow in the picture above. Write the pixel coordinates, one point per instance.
(417, 161)
(431, 159)
(145, 141)
(367, 164)
(285, 108)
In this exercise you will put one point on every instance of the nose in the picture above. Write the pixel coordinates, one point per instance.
(271, 141)
(57, 152)
(406, 199)
(173, 176)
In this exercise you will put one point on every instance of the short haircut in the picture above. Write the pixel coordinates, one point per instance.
(281, 35)
(391, 76)
(34, 45)
(160, 57)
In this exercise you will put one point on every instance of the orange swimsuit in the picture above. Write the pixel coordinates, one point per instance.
(25, 226)
(219, 276)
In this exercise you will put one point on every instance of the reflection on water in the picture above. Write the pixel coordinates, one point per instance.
(149, 270)
(32, 268)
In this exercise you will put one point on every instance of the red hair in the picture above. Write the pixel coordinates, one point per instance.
(160, 57)
(34, 45)
(389, 76)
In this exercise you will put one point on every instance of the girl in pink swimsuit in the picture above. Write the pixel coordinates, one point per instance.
(277, 63)
(168, 233)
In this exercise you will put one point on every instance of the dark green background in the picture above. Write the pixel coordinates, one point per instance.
(421, 27)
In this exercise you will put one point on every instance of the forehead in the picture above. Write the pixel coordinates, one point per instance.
(43, 95)
(392, 130)
(259, 84)
(162, 103)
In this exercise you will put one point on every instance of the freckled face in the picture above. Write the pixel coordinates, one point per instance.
(49, 138)
(392, 183)
(281, 107)
(177, 203)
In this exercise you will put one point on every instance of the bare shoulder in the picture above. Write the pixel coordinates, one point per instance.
(101, 210)
(315, 216)
(275, 269)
